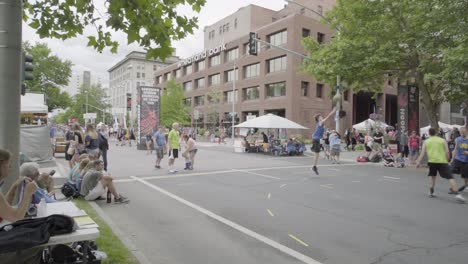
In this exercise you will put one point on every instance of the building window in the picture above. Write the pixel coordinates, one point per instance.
(320, 9)
(346, 95)
(229, 98)
(305, 88)
(138, 75)
(215, 60)
(276, 89)
(320, 37)
(200, 83)
(277, 64)
(305, 33)
(138, 84)
(188, 101)
(199, 100)
(187, 86)
(229, 75)
(251, 70)
(142, 75)
(214, 79)
(251, 93)
(235, 23)
(167, 76)
(246, 48)
(279, 38)
(158, 80)
(188, 69)
(220, 30)
(232, 54)
(319, 90)
(178, 73)
(201, 65)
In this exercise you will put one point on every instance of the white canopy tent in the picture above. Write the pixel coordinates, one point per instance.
(369, 123)
(270, 121)
(33, 103)
(445, 127)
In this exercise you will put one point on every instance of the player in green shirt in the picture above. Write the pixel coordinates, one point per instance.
(174, 145)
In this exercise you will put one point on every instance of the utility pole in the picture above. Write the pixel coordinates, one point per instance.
(10, 84)
(233, 116)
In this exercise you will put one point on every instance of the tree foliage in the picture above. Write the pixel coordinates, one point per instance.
(95, 98)
(420, 41)
(49, 73)
(215, 97)
(152, 24)
(173, 108)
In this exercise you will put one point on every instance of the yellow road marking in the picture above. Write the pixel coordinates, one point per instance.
(298, 240)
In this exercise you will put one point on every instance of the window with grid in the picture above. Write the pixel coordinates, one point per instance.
(276, 89)
(158, 79)
(215, 60)
(188, 101)
(232, 54)
(304, 88)
(229, 75)
(167, 76)
(252, 70)
(199, 100)
(201, 65)
(187, 86)
(178, 73)
(319, 90)
(277, 64)
(279, 38)
(305, 32)
(320, 37)
(188, 69)
(142, 75)
(138, 75)
(200, 83)
(229, 98)
(251, 93)
(214, 79)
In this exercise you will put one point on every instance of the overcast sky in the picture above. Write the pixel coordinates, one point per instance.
(86, 58)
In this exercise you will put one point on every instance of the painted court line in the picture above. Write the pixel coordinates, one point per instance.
(329, 186)
(266, 240)
(393, 178)
(298, 240)
(282, 185)
(271, 214)
(356, 181)
(258, 174)
(334, 169)
(269, 196)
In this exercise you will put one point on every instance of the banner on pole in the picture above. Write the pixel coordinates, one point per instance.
(148, 109)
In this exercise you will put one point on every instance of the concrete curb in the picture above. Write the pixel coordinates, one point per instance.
(125, 239)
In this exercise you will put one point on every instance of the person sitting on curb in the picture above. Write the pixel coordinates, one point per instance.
(95, 183)
(44, 182)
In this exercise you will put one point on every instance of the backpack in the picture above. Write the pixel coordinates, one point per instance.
(103, 143)
(69, 190)
(28, 233)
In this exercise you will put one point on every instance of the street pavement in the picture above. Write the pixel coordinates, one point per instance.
(255, 208)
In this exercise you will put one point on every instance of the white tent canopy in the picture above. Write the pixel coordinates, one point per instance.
(33, 103)
(445, 127)
(270, 121)
(369, 123)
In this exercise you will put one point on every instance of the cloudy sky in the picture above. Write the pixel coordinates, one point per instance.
(86, 58)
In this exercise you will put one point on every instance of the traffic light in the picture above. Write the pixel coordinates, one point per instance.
(26, 71)
(253, 44)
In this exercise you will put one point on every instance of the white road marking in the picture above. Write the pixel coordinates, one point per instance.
(329, 186)
(298, 240)
(186, 184)
(356, 181)
(393, 178)
(269, 196)
(266, 240)
(271, 214)
(334, 169)
(282, 185)
(389, 180)
(258, 174)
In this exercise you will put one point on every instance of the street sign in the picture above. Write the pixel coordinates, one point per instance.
(90, 116)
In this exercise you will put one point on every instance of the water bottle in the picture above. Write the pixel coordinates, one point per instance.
(42, 208)
(109, 196)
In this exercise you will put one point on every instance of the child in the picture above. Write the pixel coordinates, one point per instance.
(335, 145)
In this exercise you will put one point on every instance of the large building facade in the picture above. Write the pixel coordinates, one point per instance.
(125, 77)
(224, 78)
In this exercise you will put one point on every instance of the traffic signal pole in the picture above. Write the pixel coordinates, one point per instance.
(10, 83)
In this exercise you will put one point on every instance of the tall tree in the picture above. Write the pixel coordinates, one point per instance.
(215, 97)
(50, 72)
(419, 41)
(173, 108)
(152, 24)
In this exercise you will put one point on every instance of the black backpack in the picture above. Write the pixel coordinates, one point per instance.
(69, 190)
(103, 143)
(28, 233)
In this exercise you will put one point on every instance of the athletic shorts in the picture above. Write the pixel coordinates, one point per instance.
(367, 148)
(193, 151)
(414, 152)
(160, 152)
(443, 169)
(174, 154)
(463, 168)
(316, 146)
(335, 152)
(97, 191)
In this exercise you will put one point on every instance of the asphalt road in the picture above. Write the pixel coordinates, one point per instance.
(252, 208)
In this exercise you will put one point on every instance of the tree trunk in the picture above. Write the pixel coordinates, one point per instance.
(430, 103)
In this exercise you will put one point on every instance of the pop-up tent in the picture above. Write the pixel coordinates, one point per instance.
(445, 127)
(33, 103)
(369, 123)
(270, 121)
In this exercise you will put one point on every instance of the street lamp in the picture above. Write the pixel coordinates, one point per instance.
(338, 77)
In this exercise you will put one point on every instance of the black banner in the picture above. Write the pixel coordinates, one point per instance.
(148, 113)
(413, 108)
(402, 109)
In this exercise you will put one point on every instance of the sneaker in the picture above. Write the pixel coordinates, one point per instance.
(172, 171)
(460, 198)
(315, 170)
(121, 199)
(462, 188)
(452, 191)
(431, 192)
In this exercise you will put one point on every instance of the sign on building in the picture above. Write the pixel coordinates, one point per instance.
(148, 109)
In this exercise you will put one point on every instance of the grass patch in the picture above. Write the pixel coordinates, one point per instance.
(107, 241)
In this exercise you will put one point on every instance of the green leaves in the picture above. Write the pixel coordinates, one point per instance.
(157, 18)
(173, 108)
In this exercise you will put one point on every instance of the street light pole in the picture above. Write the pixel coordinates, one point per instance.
(338, 77)
(233, 102)
(86, 101)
